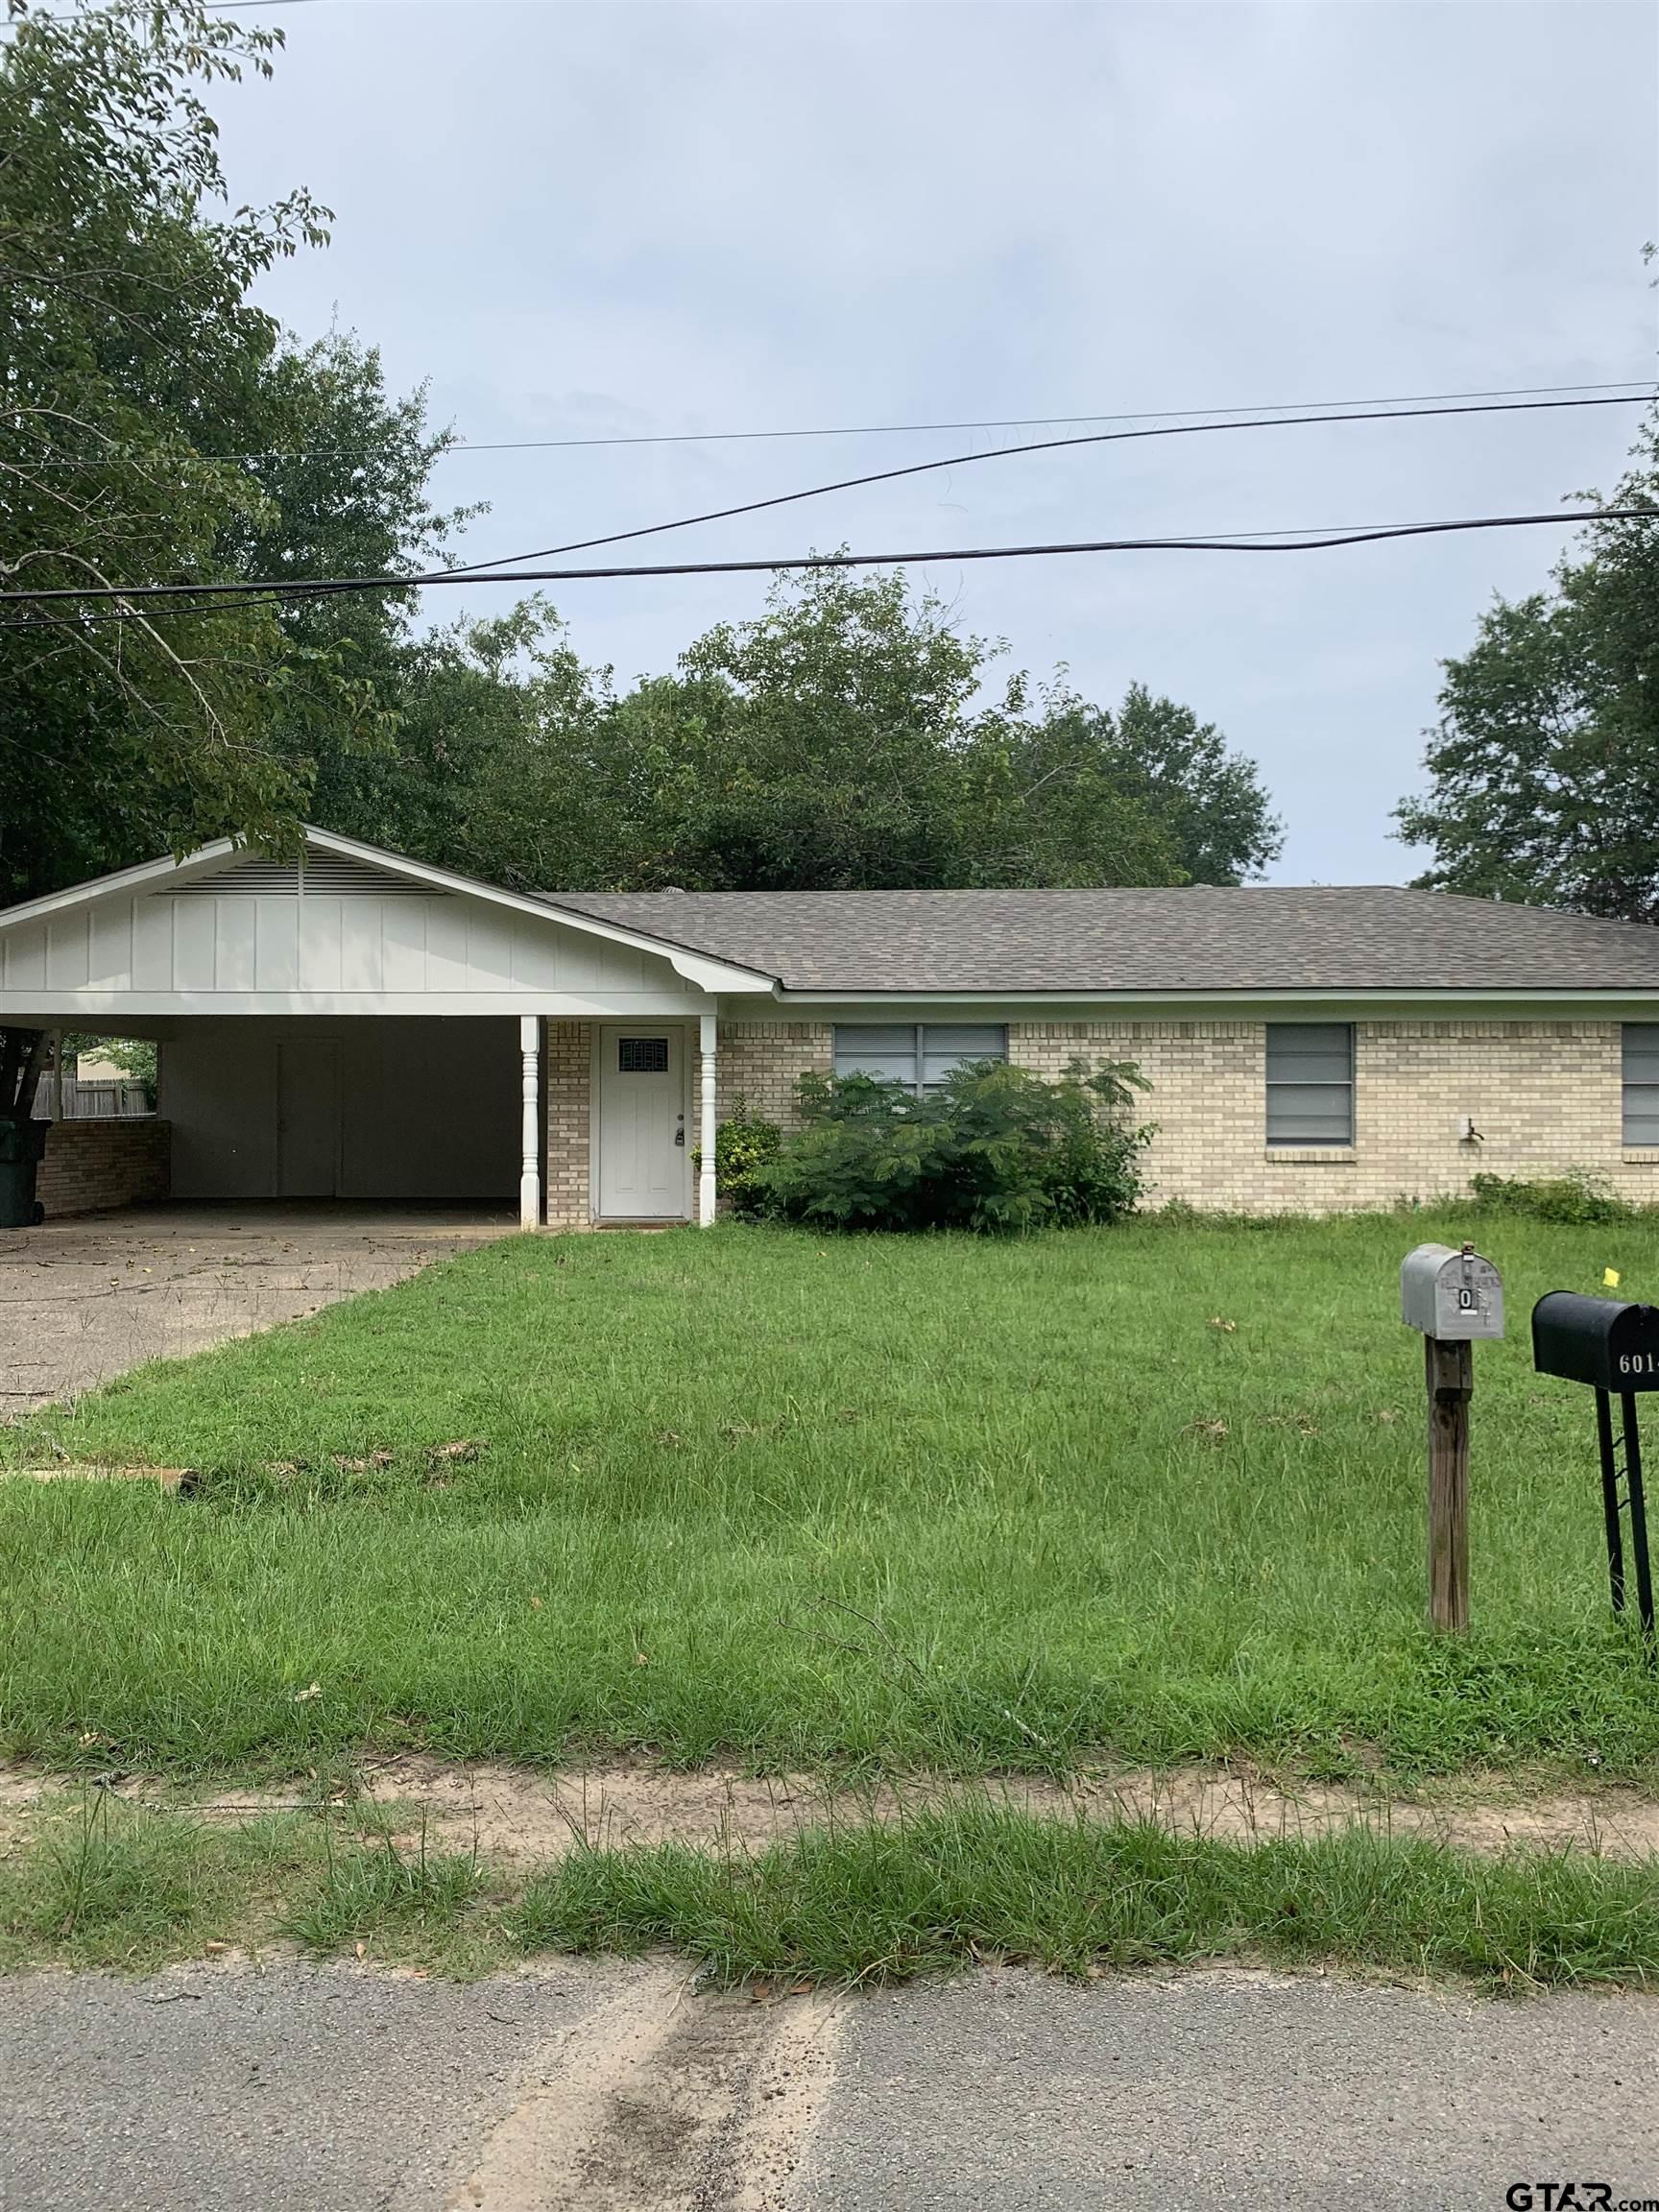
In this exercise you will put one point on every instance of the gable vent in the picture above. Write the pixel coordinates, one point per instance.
(246, 879)
(327, 875)
(333, 876)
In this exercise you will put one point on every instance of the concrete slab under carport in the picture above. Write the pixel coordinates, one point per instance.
(84, 1300)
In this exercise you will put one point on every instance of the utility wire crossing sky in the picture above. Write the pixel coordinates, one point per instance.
(506, 568)
(268, 592)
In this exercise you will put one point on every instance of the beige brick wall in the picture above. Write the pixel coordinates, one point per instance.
(760, 1061)
(96, 1165)
(567, 1075)
(1544, 1095)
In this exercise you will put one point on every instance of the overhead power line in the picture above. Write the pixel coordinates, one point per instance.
(498, 568)
(1008, 422)
(272, 593)
(458, 445)
(1046, 445)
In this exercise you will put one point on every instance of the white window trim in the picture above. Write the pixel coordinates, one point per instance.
(1637, 1147)
(1277, 1146)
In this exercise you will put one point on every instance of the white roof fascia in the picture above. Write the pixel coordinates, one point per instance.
(147, 876)
(97, 1008)
(1374, 997)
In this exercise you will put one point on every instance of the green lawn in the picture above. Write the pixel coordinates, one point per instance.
(919, 1502)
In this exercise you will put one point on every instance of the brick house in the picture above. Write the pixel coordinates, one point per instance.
(360, 1026)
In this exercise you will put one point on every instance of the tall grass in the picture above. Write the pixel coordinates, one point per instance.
(1156, 1490)
(964, 1882)
(365, 1892)
(115, 1885)
(126, 1887)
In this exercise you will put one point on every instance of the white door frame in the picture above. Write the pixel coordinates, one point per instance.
(602, 1030)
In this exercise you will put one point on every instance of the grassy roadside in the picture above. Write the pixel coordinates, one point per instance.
(908, 1503)
(134, 1889)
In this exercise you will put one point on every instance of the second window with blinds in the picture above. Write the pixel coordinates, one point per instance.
(1640, 1071)
(918, 1055)
(1309, 1082)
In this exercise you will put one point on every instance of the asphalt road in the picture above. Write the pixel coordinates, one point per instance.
(621, 2088)
(1233, 2089)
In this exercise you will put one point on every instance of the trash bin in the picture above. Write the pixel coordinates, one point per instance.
(21, 1145)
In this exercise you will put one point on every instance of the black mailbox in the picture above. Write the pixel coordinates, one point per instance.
(1615, 1348)
(1603, 1341)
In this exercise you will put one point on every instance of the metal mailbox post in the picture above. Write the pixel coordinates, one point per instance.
(1452, 1297)
(1614, 1347)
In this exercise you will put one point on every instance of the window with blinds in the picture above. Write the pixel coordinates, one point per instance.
(1309, 1082)
(918, 1055)
(1642, 1083)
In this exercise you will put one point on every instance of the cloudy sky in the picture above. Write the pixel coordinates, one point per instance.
(641, 220)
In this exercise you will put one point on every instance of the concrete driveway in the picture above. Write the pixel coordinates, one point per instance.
(622, 2088)
(82, 1301)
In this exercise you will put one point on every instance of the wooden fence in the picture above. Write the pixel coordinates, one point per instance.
(112, 1100)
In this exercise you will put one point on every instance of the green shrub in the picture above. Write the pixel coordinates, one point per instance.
(744, 1147)
(1570, 1198)
(993, 1147)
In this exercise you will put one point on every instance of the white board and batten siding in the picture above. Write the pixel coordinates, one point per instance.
(353, 939)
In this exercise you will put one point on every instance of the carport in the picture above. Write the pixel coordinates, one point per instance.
(357, 1026)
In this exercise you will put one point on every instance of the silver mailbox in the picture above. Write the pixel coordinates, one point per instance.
(1450, 1295)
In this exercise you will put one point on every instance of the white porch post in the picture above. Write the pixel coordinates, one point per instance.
(530, 1139)
(708, 1034)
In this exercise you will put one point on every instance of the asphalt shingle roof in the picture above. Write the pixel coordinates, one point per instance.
(1374, 937)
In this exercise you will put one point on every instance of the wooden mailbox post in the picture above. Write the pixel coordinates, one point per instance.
(1450, 1297)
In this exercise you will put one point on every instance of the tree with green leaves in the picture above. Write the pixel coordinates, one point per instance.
(1544, 769)
(131, 356)
(155, 427)
(847, 738)
(816, 747)
(492, 762)
(1076, 797)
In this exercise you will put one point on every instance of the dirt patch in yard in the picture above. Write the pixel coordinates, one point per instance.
(518, 1819)
(511, 1814)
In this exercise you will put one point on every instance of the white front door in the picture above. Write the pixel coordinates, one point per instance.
(308, 1117)
(643, 1171)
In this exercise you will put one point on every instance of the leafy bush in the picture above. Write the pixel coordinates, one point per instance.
(993, 1147)
(744, 1147)
(1570, 1198)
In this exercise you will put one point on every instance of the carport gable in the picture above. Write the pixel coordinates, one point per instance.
(346, 930)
